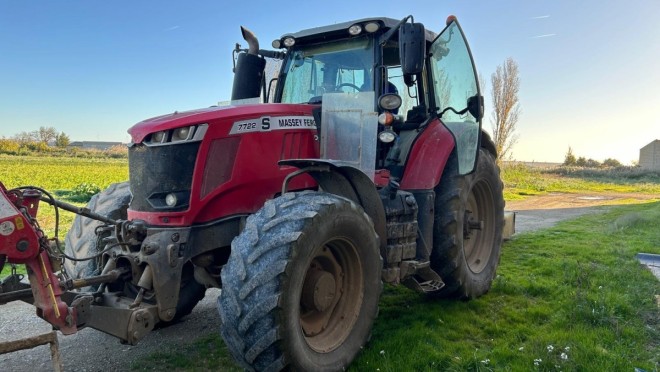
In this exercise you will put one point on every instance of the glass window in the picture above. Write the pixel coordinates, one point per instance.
(342, 66)
(408, 94)
(454, 82)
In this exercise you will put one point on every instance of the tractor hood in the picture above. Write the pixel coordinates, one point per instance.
(214, 115)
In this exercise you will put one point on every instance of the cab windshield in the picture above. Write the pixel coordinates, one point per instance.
(341, 66)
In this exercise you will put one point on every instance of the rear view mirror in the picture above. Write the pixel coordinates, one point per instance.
(475, 106)
(412, 48)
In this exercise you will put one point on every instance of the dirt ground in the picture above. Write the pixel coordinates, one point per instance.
(90, 350)
(543, 211)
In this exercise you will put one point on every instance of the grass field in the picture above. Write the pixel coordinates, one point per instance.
(521, 181)
(569, 298)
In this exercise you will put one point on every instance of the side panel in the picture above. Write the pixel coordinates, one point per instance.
(428, 157)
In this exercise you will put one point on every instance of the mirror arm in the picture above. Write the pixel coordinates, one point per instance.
(463, 111)
(388, 35)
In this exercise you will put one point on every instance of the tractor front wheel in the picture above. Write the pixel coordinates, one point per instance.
(302, 284)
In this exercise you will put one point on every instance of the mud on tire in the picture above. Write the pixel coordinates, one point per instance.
(302, 284)
(466, 254)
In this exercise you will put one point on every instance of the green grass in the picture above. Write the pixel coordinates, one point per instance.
(521, 181)
(210, 352)
(575, 289)
(577, 285)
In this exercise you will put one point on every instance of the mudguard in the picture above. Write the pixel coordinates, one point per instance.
(345, 180)
(428, 157)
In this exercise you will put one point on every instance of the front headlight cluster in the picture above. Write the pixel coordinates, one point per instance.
(187, 133)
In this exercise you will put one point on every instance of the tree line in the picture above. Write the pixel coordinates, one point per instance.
(571, 160)
(45, 135)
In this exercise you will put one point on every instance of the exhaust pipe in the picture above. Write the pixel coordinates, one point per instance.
(253, 43)
(249, 71)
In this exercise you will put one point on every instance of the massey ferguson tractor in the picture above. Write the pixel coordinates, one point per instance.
(361, 162)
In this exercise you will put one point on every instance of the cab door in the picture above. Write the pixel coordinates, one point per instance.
(454, 81)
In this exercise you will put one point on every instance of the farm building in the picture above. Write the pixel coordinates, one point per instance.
(97, 145)
(649, 156)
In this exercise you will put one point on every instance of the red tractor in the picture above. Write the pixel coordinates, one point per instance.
(365, 164)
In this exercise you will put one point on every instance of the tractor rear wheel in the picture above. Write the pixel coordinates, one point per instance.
(302, 284)
(469, 217)
(81, 241)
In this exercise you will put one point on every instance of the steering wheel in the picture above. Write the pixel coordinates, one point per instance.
(357, 89)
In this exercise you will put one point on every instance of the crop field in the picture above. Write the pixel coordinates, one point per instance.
(60, 176)
(55, 174)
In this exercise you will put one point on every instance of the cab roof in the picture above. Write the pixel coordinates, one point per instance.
(339, 30)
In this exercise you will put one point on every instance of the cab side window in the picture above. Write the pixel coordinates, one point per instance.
(408, 95)
(454, 81)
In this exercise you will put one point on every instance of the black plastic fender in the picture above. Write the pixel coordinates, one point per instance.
(340, 178)
(488, 143)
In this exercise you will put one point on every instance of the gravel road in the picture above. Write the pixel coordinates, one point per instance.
(91, 350)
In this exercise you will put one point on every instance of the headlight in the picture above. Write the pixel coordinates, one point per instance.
(371, 27)
(389, 101)
(355, 30)
(176, 136)
(387, 136)
(158, 137)
(181, 134)
(170, 200)
(289, 42)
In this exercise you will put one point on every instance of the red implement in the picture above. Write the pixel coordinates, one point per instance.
(21, 242)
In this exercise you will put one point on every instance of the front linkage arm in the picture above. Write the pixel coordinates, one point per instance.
(23, 242)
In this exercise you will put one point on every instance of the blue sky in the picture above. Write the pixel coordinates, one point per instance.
(588, 69)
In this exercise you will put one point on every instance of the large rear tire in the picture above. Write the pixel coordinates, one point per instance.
(302, 284)
(469, 217)
(81, 241)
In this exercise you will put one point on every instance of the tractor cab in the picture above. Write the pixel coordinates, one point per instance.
(383, 78)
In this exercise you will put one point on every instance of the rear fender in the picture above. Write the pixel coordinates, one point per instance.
(338, 178)
(428, 157)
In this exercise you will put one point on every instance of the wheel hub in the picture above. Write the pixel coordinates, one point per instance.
(319, 290)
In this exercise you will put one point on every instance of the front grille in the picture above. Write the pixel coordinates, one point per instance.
(156, 171)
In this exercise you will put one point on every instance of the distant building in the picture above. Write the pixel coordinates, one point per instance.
(96, 145)
(649, 156)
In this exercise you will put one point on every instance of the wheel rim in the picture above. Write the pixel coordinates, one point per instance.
(331, 295)
(479, 226)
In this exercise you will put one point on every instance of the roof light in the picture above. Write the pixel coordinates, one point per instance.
(355, 30)
(289, 41)
(371, 27)
(277, 44)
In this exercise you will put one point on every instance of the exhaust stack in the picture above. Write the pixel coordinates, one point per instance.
(251, 38)
(249, 71)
